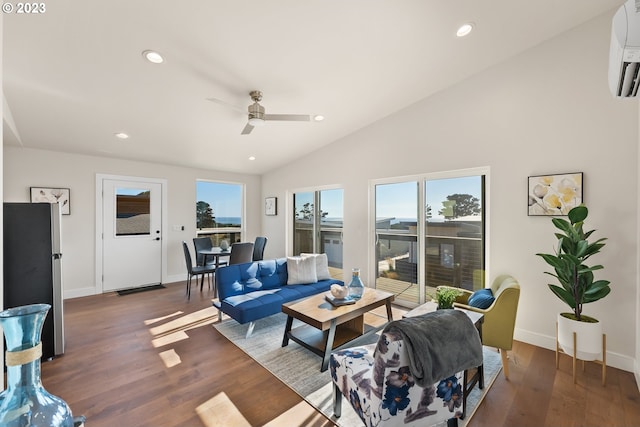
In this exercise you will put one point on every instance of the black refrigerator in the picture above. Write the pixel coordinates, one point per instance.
(32, 266)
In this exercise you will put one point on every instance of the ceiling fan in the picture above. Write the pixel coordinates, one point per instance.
(257, 116)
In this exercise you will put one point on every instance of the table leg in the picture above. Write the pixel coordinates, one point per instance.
(328, 346)
(287, 329)
(389, 314)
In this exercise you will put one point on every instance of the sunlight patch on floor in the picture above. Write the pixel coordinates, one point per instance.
(169, 339)
(159, 319)
(219, 411)
(170, 358)
(304, 415)
(193, 320)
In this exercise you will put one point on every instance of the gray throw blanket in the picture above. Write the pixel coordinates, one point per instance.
(439, 344)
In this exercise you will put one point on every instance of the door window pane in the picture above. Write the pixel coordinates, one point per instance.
(318, 222)
(454, 233)
(331, 221)
(396, 240)
(303, 233)
(133, 207)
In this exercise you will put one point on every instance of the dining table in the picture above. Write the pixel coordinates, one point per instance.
(216, 252)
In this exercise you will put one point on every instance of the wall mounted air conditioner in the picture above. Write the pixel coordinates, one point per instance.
(624, 56)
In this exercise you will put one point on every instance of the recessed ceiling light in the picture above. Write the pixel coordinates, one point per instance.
(153, 56)
(122, 135)
(252, 157)
(464, 29)
(318, 118)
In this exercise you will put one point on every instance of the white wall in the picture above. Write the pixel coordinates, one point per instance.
(546, 111)
(24, 168)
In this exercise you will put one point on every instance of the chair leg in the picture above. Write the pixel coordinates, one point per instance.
(189, 287)
(505, 362)
(337, 401)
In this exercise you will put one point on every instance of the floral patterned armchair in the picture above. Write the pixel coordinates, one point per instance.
(377, 382)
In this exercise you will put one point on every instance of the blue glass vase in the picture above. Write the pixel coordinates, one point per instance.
(356, 288)
(25, 402)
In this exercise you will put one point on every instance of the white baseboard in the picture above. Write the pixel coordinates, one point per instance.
(85, 292)
(615, 360)
(81, 292)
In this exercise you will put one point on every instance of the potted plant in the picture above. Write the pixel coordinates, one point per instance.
(446, 296)
(577, 285)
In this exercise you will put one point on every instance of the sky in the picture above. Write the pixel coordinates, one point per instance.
(224, 199)
(331, 201)
(401, 200)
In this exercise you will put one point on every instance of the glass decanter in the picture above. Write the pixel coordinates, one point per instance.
(25, 402)
(356, 288)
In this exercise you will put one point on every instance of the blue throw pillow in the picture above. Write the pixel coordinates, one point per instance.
(482, 298)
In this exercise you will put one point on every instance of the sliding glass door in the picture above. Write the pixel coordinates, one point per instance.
(318, 222)
(429, 231)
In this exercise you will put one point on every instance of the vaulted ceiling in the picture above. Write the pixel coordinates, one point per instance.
(74, 76)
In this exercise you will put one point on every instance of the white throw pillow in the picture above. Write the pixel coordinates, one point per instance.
(301, 270)
(322, 265)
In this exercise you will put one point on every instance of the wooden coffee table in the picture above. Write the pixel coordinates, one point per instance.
(327, 327)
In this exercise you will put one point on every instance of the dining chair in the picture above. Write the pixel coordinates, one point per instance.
(201, 243)
(195, 270)
(241, 253)
(258, 248)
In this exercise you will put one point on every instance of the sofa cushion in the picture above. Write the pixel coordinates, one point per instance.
(322, 265)
(272, 273)
(301, 270)
(482, 298)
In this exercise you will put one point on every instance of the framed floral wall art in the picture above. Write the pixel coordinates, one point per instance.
(53, 195)
(554, 195)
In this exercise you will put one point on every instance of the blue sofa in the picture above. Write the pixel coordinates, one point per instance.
(253, 290)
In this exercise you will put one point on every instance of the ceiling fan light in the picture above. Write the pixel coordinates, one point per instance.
(255, 121)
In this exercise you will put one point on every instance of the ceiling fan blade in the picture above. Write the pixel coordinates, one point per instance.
(247, 129)
(288, 117)
(226, 104)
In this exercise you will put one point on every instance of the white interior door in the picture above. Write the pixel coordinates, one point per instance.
(131, 234)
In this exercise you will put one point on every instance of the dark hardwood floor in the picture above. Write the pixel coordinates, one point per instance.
(153, 359)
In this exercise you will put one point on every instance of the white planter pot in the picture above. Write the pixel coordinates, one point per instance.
(588, 338)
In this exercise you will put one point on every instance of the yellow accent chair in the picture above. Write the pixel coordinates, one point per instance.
(499, 317)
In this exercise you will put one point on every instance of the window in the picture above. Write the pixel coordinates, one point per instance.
(133, 207)
(219, 211)
(429, 231)
(318, 219)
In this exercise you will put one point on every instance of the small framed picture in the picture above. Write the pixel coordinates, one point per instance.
(62, 196)
(554, 195)
(271, 206)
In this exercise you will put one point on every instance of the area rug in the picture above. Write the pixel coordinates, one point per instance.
(299, 368)
(140, 289)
